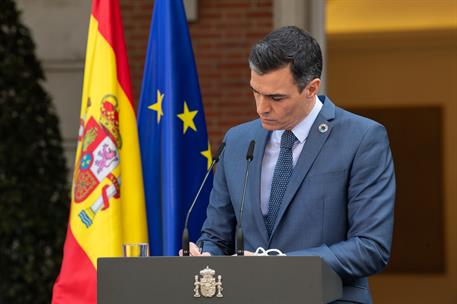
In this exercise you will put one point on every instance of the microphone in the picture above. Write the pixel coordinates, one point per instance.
(239, 230)
(185, 232)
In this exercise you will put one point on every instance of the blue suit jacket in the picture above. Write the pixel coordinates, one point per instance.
(338, 204)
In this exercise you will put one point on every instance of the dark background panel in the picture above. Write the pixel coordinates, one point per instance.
(416, 139)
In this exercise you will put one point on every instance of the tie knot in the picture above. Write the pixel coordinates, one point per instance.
(288, 139)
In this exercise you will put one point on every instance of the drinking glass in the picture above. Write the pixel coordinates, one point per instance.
(135, 250)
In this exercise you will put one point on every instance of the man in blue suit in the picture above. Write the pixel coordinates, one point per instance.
(322, 179)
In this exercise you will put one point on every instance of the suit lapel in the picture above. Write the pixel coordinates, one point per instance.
(316, 139)
(261, 138)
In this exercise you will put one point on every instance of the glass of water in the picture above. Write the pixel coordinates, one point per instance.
(135, 250)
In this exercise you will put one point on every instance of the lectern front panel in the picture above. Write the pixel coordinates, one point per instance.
(221, 280)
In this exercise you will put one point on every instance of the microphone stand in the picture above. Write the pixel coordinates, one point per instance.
(185, 233)
(239, 230)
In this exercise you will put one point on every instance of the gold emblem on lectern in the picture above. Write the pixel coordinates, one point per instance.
(206, 285)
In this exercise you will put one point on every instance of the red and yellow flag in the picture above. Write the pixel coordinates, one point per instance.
(107, 205)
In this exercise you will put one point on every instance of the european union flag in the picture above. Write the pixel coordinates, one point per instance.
(174, 144)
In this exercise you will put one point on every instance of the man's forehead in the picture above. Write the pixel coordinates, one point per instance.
(272, 83)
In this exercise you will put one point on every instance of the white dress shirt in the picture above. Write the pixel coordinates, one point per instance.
(271, 154)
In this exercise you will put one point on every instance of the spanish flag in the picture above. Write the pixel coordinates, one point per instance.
(107, 205)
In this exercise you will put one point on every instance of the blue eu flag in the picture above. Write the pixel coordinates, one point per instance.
(175, 150)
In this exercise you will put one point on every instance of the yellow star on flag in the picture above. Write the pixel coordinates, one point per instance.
(188, 118)
(158, 106)
(207, 154)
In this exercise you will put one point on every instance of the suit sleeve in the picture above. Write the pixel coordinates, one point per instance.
(218, 229)
(371, 198)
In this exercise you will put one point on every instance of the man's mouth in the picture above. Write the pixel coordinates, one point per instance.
(267, 120)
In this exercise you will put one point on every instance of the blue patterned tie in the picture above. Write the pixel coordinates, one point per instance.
(281, 175)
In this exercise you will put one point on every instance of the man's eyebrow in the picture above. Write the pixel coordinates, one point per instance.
(276, 95)
(254, 90)
(269, 95)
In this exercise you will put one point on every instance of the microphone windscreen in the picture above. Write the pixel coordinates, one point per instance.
(250, 154)
(219, 152)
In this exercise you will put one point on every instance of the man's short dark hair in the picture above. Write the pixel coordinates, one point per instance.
(288, 45)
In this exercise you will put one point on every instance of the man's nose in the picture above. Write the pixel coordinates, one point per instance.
(263, 105)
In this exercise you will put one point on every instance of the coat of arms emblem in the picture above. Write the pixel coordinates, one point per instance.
(100, 141)
(206, 285)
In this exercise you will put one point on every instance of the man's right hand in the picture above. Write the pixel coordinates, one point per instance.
(195, 251)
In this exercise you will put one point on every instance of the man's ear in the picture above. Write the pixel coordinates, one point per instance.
(313, 88)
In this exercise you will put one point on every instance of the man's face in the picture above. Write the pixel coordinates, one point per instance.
(280, 105)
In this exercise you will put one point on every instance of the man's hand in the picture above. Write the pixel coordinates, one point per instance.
(195, 251)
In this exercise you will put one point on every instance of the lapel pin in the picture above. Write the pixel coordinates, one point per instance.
(323, 128)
